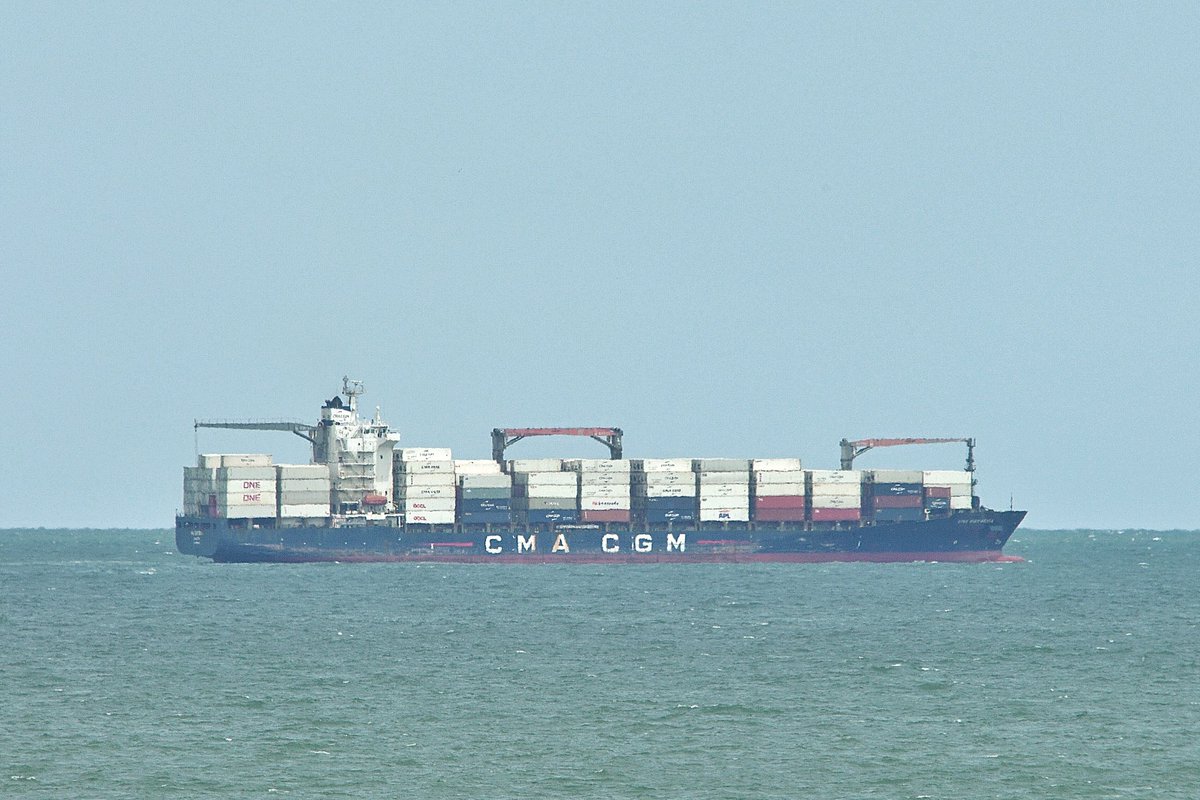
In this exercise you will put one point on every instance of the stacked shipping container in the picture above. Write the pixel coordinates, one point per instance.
(835, 495)
(484, 493)
(723, 486)
(231, 485)
(779, 492)
(542, 492)
(894, 495)
(663, 490)
(431, 488)
(424, 485)
(303, 490)
(604, 489)
(953, 486)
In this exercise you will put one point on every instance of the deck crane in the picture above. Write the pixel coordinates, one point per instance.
(851, 449)
(502, 438)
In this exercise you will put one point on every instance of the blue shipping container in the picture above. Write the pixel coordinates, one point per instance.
(537, 516)
(668, 503)
(482, 504)
(483, 517)
(670, 515)
(937, 503)
(894, 489)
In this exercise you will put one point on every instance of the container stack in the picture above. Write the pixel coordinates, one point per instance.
(663, 490)
(245, 487)
(952, 485)
(542, 492)
(895, 495)
(484, 493)
(723, 486)
(604, 489)
(835, 495)
(779, 493)
(200, 486)
(423, 480)
(303, 490)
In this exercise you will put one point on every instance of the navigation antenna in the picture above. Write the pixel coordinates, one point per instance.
(352, 389)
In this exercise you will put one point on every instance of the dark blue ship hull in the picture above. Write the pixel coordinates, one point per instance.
(972, 536)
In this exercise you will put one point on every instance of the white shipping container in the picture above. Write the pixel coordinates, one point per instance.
(477, 466)
(945, 477)
(845, 476)
(604, 504)
(775, 465)
(779, 490)
(307, 472)
(546, 478)
(313, 510)
(960, 490)
(720, 465)
(485, 481)
(725, 490)
(896, 475)
(586, 490)
(429, 517)
(835, 490)
(208, 460)
(247, 511)
(535, 465)
(550, 490)
(245, 459)
(424, 467)
(246, 473)
(423, 504)
(605, 478)
(238, 486)
(724, 502)
(426, 479)
(199, 473)
(713, 478)
(663, 478)
(669, 490)
(661, 464)
(725, 515)
(836, 501)
(960, 503)
(246, 499)
(446, 490)
(424, 454)
(303, 485)
(781, 476)
(302, 498)
(597, 465)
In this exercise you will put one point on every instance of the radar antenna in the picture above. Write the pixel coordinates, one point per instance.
(352, 389)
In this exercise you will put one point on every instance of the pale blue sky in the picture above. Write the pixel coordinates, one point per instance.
(732, 229)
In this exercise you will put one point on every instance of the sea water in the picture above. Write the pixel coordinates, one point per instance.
(130, 671)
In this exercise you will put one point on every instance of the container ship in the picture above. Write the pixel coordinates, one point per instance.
(364, 498)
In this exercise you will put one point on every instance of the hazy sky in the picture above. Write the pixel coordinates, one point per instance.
(731, 229)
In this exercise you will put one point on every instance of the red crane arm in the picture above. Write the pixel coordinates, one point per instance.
(851, 449)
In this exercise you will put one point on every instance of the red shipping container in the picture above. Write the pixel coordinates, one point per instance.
(779, 515)
(605, 515)
(937, 491)
(897, 501)
(789, 501)
(836, 515)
